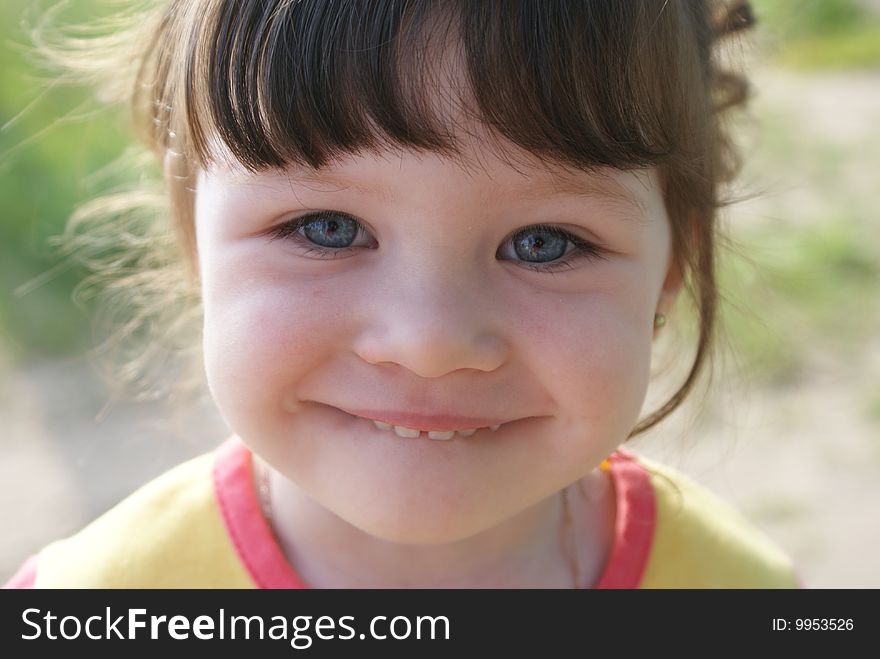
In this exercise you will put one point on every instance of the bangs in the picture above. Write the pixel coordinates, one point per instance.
(280, 82)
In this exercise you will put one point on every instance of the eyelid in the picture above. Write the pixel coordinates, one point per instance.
(291, 225)
(583, 249)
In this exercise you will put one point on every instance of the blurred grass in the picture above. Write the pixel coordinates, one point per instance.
(48, 154)
(822, 34)
(820, 284)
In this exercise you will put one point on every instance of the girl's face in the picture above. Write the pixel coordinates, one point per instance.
(414, 295)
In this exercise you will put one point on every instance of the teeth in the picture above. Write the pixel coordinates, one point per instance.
(403, 431)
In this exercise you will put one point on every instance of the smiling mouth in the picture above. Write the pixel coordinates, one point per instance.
(415, 433)
(450, 425)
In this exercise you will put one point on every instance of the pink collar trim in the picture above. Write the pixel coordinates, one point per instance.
(247, 528)
(260, 553)
(634, 524)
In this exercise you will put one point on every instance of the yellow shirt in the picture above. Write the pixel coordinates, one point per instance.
(199, 526)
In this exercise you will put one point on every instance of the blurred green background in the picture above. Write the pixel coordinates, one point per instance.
(53, 146)
(801, 281)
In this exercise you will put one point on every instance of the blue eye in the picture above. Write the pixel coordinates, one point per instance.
(339, 232)
(532, 245)
(326, 234)
(326, 230)
(542, 248)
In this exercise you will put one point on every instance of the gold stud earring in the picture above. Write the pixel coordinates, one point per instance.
(659, 320)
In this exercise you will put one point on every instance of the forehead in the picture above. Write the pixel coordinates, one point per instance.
(485, 165)
(606, 184)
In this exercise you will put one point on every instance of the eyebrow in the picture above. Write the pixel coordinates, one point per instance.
(595, 187)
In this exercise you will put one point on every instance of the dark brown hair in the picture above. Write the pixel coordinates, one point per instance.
(579, 83)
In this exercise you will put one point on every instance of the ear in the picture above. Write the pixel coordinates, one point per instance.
(672, 284)
(675, 274)
(669, 292)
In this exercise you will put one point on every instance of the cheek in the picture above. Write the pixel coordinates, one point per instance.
(262, 334)
(593, 354)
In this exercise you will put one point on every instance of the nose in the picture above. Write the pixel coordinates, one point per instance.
(431, 325)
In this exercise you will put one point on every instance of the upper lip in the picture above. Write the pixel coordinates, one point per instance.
(420, 421)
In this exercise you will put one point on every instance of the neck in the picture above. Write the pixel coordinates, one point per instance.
(535, 548)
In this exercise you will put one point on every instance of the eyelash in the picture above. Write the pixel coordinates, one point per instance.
(583, 249)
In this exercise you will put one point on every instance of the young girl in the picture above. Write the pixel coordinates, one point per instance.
(434, 243)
